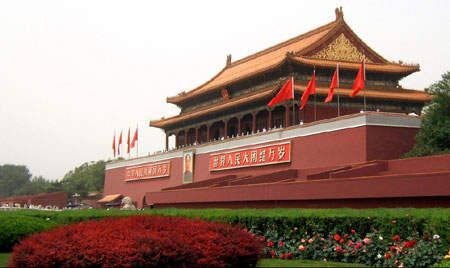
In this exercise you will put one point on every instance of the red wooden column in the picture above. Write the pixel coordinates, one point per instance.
(288, 115)
(269, 125)
(225, 132)
(208, 137)
(196, 135)
(167, 141)
(254, 122)
(240, 125)
(176, 139)
(186, 137)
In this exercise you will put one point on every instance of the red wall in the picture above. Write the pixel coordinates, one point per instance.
(352, 145)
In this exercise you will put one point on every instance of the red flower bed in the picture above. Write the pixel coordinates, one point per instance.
(143, 241)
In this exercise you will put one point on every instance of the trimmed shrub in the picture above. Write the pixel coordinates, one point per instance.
(15, 227)
(140, 241)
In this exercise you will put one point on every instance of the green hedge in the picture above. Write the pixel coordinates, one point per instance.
(14, 227)
(389, 222)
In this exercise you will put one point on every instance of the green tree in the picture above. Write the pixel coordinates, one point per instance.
(434, 135)
(12, 179)
(85, 178)
(37, 185)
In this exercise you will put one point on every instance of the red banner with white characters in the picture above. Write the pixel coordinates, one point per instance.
(148, 171)
(257, 156)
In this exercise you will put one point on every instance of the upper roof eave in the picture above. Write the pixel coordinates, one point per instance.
(374, 67)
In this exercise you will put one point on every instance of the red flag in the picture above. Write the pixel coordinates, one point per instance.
(114, 145)
(359, 81)
(119, 143)
(310, 89)
(128, 142)
(334, 84)
(135, 138)
(286, 93)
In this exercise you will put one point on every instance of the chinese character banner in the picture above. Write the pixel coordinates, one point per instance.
(258, 156)
(149, 171)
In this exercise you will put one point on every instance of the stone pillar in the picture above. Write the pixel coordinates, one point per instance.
(208, 137)
(254, 122)
(269, 125)
(288, 114)
(186, 137)
(225, 132)
(176, 139)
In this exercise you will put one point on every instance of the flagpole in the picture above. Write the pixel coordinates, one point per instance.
(364, 65)
(137, 141)
(114, 141)
(339, 106)
(315, 103)
(293, 102)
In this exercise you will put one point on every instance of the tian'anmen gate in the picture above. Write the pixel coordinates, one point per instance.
(233, 150)
(234, 102)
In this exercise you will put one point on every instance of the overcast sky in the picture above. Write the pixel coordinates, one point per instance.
(74, 72)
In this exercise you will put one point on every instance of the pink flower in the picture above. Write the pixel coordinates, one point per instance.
(401, 264)
(322, 239)
(394, 222)
(283, 256)
(353, 231)
(345, 236)
(261, 239)
(280, 243)
(252, 235)
(359, 245)
(338, 248)
(311, 240)
(273, 254)
(396, 238)
(344, 251)
(366, 241)
(341, 241)
(436, 237)
(350, 243)
(295, 228)
(353, 251)
(324, 259)
(301, 247)
(303, 240)
(337, 237)
(289, 255)
(245, 229)
(270, 244)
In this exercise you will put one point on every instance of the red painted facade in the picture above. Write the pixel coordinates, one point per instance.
(315, 148)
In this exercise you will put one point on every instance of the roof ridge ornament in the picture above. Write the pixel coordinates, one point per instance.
(339, 13)
(228, 60)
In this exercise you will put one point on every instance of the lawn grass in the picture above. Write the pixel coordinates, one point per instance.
(304, 263)
(4, 257)
(263, 263)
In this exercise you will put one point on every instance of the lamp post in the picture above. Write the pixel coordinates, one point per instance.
(76, 195)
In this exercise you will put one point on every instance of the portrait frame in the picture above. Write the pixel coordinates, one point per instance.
(187, 175)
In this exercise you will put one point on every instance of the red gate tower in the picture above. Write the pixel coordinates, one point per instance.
(229, 142)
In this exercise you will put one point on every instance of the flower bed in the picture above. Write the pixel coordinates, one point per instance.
(143, 241)
(414, 250)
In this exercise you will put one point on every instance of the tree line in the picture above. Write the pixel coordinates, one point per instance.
(16, 180)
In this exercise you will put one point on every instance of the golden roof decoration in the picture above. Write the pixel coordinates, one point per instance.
(341, 49)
